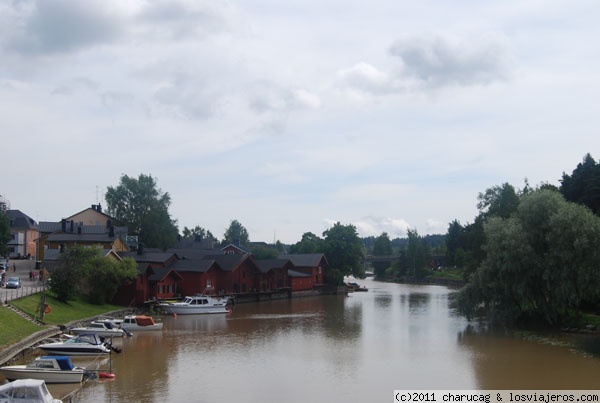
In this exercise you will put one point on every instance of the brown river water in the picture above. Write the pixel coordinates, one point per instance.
(358, 348)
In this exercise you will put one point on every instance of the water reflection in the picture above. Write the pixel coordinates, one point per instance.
(505, 359)
(334, 349)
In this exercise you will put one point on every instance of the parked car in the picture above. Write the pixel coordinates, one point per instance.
(13, 282)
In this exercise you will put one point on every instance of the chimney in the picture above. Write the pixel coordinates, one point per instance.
(99, 208)
(63, 225)
(93, 207)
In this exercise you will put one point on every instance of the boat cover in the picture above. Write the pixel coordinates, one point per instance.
(64, 362)
(144, 320)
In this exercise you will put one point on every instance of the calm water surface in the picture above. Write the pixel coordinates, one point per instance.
(334, 349)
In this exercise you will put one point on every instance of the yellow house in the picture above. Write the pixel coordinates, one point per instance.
(90, 227)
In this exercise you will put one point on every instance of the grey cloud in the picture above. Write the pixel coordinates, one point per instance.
(169, 20)
(185, 97)
(56, 26)
(437, 61)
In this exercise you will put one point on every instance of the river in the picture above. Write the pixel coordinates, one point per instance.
(335, 349)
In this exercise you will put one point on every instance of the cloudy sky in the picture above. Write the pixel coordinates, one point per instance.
(292, 115)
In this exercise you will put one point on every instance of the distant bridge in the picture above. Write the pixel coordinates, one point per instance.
(382, 258)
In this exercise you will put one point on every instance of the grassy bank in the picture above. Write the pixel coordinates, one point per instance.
(15, 328)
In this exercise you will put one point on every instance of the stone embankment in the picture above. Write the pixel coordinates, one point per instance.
(18, 349)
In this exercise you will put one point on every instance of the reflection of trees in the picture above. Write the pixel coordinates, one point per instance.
(506, 360)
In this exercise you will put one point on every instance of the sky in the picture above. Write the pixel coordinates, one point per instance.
(290, 116)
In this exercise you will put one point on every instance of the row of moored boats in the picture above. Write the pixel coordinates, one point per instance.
(93, 339)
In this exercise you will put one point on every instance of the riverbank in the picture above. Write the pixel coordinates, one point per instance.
(21, 333)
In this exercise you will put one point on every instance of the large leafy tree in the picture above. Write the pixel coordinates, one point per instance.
(583, 185)
(86, 272)
(344, 251)
(541, 262)
(236, 234)
(139, 204)
(382, 246)
(310, 243)
(4, 234)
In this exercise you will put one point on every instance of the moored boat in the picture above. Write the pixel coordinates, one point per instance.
(50, 369)
(83, 344)
(196, 305)
(140, 322)
(102, 329)
(26, 391)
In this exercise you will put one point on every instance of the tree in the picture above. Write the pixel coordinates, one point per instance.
(197, 233)
(498, 201)
(541, 262)
(86, 272)
(5, 236)
(417, 253)
(344, 251)
(310, 243)
(382, 246)
(583, 185)
(143, 208)
(236, 234)
(105, 276)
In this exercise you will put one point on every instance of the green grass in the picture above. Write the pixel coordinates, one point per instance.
(452, 274)
(15, 328)
(62, 312)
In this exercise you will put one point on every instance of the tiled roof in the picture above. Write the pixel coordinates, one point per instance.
(305, 259)
(20, 220)
(267, 264)
(148, 257)
(188, 265)
(69, 237)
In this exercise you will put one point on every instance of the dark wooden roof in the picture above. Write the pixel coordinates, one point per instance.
(306, 259)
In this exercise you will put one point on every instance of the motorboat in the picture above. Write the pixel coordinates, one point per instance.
(140, 322)
(26, 391)
(102, 329)
(49, 368)
(83, 344)
(355, 287)
(197, 304)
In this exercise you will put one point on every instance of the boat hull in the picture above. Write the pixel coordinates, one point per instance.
(193, 310)
(48, 376)
(135, 328)
(100, 333)
(61, 350)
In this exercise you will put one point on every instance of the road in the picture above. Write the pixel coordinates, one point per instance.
(20, 268)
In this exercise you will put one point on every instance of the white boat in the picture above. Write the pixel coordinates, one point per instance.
(26, 391)
(83, 344)
(102, 329)
(197, 304)
(140, 322)
(48, 368)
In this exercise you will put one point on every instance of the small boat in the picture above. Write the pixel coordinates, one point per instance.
(102, 329)
(140, 322)
(197, 304)
(48, 368)
(26, 391)
(83, 344)
(354, 287)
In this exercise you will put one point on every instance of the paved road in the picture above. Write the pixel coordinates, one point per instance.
(20, 268)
